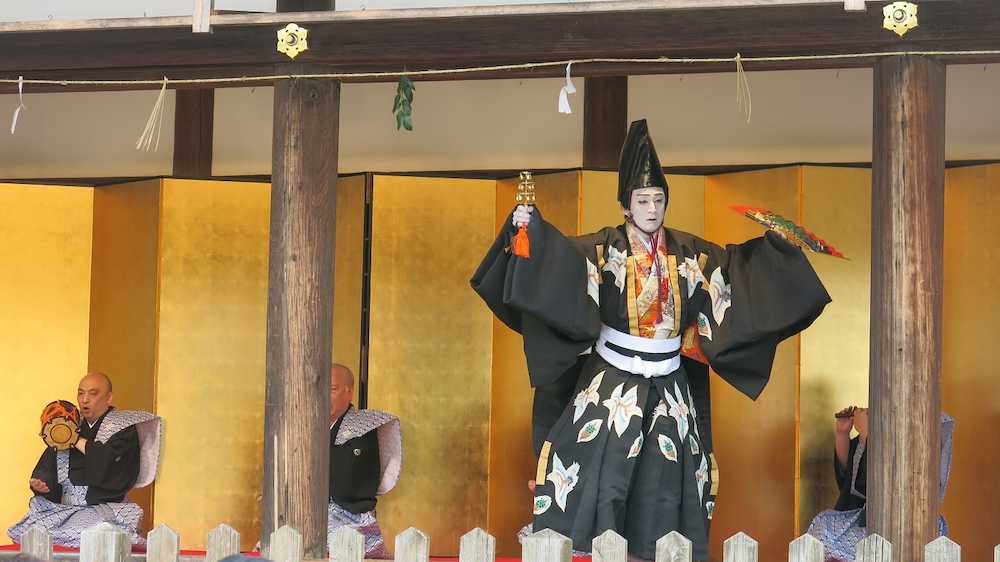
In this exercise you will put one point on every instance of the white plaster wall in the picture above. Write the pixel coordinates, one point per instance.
(465, 125)
(89, 134)
(801, 116)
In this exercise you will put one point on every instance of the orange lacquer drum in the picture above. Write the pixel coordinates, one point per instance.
(60, 424)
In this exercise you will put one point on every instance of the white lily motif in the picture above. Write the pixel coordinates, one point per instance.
(563, 479)
(587, 396)
(692, 272)
(679, 411)
(636, 447)
(694, 413)
(659, 411)
(621, 408)
(695, 449)
(701, 475)
(615, 264)
(721, 294)
(593, 282)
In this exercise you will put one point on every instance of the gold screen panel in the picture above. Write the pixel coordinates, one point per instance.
(512, 462)
(755, 442)
(123, 299)
(45, 299)
(836, 204)
(210, 368)
(431, 347)
(970, 371)
(349, 261)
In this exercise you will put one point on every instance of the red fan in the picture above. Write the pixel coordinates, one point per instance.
(791, 231)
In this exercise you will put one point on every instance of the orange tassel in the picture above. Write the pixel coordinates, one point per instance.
(520, 246)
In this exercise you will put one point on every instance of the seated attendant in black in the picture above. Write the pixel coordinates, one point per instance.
(77, 488)
(365, 459)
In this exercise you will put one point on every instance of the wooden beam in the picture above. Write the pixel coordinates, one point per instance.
(605, 120)
(416, 13)
(194, 116)
(907, 261)
(300, 310)
(306, 5)
(426, 38)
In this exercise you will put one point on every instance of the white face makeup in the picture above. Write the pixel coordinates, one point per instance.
(647, 207)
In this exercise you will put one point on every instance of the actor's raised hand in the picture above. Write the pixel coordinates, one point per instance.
(38, 486)
(522, 215)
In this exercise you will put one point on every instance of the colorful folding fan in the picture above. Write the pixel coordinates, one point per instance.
(791, 231)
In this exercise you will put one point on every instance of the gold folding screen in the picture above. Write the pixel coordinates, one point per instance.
(755, 442)
(970, 371)
(430, 353)
(836, 204)
(172, 306)
(45, 236)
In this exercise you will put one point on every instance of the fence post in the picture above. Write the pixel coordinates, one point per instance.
(806, 548)
(874, 548)
(942, 549)
(286, 545)
(223, 541)
(162, 545)
(412, 545)
(546, 546)
(609, 546)
(347, 545)
(739, 548)
(37, 542)
(105, 543)
(673, 547)
(477, 546)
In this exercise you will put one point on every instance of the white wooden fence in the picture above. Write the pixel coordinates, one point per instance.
(107, 543)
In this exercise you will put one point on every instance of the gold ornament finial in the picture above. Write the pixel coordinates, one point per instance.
(525, 190)
(292, 40)
(900, 17)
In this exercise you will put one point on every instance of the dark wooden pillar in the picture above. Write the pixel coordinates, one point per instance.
(194, 116)
(907, 262)
(605, 121)
(300, 308)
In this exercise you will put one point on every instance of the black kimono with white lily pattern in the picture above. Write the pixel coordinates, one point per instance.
(621, 451)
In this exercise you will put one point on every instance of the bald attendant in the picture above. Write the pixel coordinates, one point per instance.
(74, 489)
(365, 460)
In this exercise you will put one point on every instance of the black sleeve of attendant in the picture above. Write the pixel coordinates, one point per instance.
(113, 466)
(46, 471)
(843, 472)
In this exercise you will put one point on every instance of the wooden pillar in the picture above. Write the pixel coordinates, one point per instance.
(907, 259)
(300, 308)
(605, 121)
(194, 116)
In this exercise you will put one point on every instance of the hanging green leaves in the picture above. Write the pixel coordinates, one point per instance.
(402, 106)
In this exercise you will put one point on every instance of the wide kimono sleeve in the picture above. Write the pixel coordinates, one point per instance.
(758, 293)
(543, 297)
(113, 466)
(46, 471)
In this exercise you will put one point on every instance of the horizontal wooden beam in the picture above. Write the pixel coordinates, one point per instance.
(324, 16)
(241, 45)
